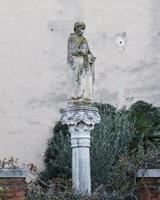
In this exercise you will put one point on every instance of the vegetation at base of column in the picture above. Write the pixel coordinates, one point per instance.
(121, 143)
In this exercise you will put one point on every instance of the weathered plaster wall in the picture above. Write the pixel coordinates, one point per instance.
(124, 36)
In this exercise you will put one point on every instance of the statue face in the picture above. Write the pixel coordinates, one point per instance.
(79, 31)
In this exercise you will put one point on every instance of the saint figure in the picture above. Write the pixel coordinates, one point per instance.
(81, 66)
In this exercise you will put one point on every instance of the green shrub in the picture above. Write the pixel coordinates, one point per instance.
(58, 154)
(147, 118)
(59, 190)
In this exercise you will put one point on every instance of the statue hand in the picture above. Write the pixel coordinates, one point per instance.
(93, 58)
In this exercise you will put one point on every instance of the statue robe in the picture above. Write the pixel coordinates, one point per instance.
(81, 72)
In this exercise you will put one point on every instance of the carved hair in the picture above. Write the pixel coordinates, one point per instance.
(78, 24)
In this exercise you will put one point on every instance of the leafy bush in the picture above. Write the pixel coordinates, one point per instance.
(58, 154)
(59, 190)
(147, 118)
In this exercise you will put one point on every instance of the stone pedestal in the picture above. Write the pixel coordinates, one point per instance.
(149, 188)
(80, 120)
(12, 184)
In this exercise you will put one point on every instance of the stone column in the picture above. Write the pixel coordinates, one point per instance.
(80, 120)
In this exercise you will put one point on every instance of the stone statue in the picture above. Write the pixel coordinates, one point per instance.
(80, 115)
(81, 66)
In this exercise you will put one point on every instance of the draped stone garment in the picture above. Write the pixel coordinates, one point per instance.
(81, 72)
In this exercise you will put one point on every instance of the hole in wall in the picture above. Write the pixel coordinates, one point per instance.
(121, 39)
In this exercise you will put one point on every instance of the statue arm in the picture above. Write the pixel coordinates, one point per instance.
(75, 49)
(72, 47)
(69, 49)
(93, 58)
(89, 51)
(79, 52)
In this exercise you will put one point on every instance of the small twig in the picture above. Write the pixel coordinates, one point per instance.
(98, 188)
(40, 179)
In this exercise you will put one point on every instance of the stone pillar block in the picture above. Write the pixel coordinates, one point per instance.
(12, 184)
(80, 120)
(149, 188)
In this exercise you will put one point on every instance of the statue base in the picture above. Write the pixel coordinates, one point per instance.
(80, 118)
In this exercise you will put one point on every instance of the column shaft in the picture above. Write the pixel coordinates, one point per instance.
(81, 176)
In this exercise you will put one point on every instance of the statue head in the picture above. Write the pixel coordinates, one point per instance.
(79, 28)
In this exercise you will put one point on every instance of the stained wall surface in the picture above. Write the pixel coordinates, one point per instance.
(123, 35)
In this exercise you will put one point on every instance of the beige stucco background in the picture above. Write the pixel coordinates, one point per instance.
(124, 36)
